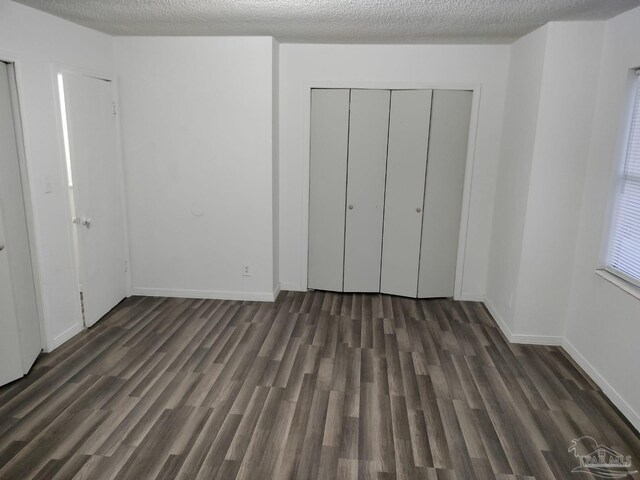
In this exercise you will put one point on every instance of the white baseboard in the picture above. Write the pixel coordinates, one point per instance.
(499, 320)
(292, 287)
(66, 335)
(210, 294)
(527, 339)
(276, 292)
(607, 389)
(520, 338)
(471, 297)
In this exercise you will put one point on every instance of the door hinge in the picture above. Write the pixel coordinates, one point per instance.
(114, 109)
(126, 266)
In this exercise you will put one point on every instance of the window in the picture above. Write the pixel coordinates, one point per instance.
(624, 247)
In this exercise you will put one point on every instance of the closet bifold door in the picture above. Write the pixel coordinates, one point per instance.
(448, 139)
(368, 129)
(404, 197)
(10, 350)
(20, 341)
(327, 187)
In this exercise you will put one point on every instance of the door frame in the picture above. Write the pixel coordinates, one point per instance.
(61, 68)
(474, 87)
(22, 134)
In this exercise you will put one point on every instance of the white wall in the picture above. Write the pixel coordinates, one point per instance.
(302, 66)
(558, 169)
(35, 41)
(603, 321)
(197, 117)
(548, 119)
(516, 152)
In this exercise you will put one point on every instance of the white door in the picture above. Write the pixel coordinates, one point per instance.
(97, 192)
(448, 139)
(406, 170)
(327, 187)
(20, 341)
(368, 128)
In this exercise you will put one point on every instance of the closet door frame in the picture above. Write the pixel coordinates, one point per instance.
(475, 88)
(22, 136)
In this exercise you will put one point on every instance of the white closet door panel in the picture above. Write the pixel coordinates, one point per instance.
(10, 352)
(406, 168)
(368, 128)
(450, 117)
(16, 256)
(327, 187)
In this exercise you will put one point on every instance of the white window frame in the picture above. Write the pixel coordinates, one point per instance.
(622, 177)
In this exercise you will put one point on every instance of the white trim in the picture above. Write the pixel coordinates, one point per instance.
(209, 294)
(63, 337)
(635, 282)
(607, 389)
(85, 72)
(470, 297)
(25, 190)
(475, 87)
(499, 320)
(521, 338)
(526, 339)
(619, 282)
(276, 292)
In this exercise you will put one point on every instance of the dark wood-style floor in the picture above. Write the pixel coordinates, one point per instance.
(315, 385)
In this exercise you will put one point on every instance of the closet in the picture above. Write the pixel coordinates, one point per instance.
(386, 183)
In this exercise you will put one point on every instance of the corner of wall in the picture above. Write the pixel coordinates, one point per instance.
(526, 65)
(556, 180)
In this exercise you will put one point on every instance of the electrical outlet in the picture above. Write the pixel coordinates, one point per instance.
(246, 271)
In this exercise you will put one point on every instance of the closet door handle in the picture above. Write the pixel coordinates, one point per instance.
(350, 207)
(1, 247)
(418, 209)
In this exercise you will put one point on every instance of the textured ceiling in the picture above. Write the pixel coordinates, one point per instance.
(334, 21)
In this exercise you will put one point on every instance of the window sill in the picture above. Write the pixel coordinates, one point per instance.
(628, 287)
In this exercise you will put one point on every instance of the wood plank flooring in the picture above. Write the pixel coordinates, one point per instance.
(314, 385)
